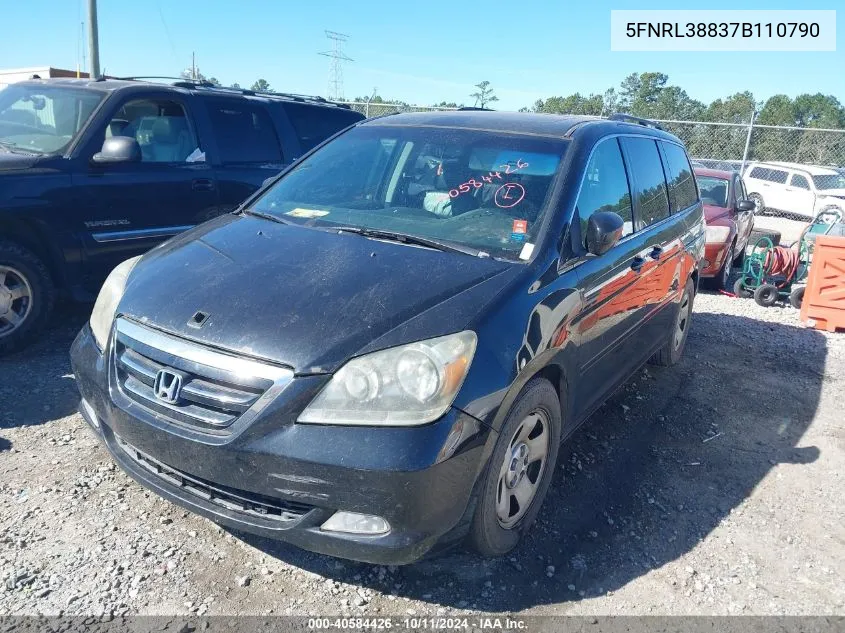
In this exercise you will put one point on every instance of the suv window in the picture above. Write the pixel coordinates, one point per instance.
(162, 129)
(682, 191)
(649, 182)
(605, 186)
(244, 131)
(778, 176)
(314, 124)
(799, 181)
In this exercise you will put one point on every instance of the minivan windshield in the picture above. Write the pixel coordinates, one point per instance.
(480, 189)
(829, 181)
(43, 119)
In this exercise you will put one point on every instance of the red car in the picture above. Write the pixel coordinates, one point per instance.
(729, 216)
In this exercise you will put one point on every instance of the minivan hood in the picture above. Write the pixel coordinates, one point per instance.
(301, 297)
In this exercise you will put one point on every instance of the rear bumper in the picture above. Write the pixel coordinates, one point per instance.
(419, 479)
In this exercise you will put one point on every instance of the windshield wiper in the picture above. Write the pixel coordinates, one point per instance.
(266, 216)
(414, 240)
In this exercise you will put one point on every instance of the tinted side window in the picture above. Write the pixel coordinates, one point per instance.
(799, 181)
(605, 186)
(162, 129)
(682, 191)
(648, 181)
(778, 176)
(314, 124)
(758, 172)
(244, 132)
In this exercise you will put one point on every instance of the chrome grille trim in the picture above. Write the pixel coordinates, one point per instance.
(221, 389)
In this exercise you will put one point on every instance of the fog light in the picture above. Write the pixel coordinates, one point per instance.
(92, 418)
(353, 523)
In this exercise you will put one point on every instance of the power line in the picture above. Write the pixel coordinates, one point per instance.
(336, 69)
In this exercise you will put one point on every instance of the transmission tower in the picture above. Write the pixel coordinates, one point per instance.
(336, 69)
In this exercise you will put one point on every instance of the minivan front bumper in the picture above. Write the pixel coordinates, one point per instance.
(283, 480)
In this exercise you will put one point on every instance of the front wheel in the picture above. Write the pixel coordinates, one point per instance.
(520, 470)
(26, 296)
(759, 204)
(720, 281)
(672, 350)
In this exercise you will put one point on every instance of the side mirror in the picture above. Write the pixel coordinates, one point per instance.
(118, 149)
(604, 230)
(745, 205)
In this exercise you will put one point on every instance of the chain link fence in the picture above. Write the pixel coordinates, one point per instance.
(369, 109)
(797, 191)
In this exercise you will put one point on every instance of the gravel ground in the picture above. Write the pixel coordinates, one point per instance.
(714, 487)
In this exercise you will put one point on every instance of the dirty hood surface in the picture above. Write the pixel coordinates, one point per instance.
(301, 297)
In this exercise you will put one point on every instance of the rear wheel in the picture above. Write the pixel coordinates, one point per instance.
(671, 352)
(519, 472)
(759, 203)
(796, 297)
(27, 296)
(766, 295)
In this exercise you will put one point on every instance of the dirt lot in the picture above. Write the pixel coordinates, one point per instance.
(715, 487)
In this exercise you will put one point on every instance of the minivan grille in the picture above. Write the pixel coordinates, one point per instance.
(214, 393)
(240, 501)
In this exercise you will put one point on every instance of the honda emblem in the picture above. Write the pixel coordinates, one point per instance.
(168, 385)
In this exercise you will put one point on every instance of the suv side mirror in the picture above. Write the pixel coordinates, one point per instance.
(118, 149)
(604, 229)
(745, 205)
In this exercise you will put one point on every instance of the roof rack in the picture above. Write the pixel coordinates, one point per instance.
(627, 118)
(182, 82)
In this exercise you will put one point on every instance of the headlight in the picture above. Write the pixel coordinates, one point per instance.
(716, 233)
(107, 300)
(402, 386)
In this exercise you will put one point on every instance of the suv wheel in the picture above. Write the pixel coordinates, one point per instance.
(673, 348)
(26, 296)
(720, 281)
(519, 471)
(757, 199)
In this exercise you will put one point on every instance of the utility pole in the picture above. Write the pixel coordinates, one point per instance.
(194, 66)
(336, 69)
(93, 39)
(748, 139)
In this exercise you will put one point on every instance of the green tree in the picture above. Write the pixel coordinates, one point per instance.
(236, 86)
(261, 85)
(484, 96)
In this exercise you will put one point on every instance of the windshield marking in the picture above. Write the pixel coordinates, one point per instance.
(512, 192)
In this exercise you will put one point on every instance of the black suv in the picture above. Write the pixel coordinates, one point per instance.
(381, 352)
(95, 172)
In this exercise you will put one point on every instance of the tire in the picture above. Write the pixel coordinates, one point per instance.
(766, 295)
(740, 290)
(497, 528)
(739, 257)
(796, 297)
(720, 281)
(757, 199)
(27, 296)
(673, 349)
(757, 234)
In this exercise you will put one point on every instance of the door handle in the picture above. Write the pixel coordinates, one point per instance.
(202, 184)
(637, 263)
(656, 252)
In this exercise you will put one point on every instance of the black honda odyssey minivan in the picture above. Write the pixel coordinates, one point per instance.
(381, 352)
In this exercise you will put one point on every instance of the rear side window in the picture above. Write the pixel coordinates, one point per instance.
(759, 173)
(314, 124)
(244, 132)
(799, 181)
(648, 184)
(682, 191)
(778, 176)
(605, 186)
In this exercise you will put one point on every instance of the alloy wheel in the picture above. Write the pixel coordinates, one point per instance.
(682, 322)
(15, 299)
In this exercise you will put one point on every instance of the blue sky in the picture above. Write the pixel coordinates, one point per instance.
(421, 52)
